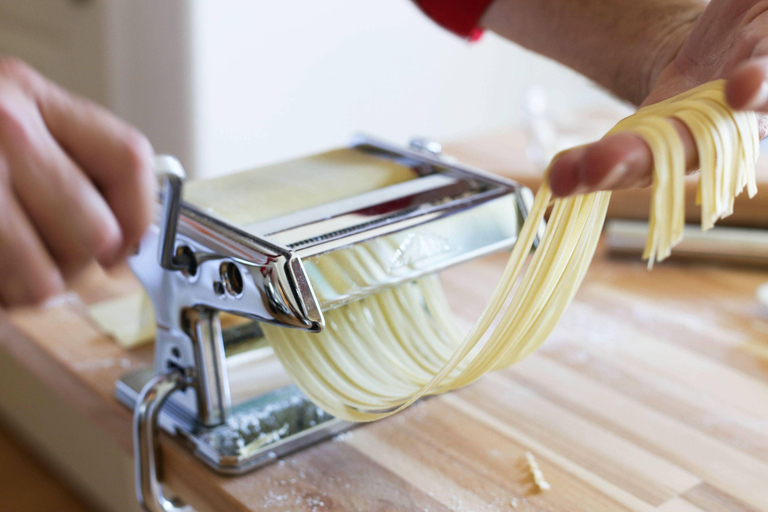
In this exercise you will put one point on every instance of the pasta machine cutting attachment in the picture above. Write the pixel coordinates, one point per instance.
(253, 246)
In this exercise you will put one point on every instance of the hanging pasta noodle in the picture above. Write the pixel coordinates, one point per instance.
(380, 354)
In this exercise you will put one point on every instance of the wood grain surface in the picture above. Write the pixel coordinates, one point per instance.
(652, 394)
(26, 485)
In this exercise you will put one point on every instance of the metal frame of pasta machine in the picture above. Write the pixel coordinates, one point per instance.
(195, 265)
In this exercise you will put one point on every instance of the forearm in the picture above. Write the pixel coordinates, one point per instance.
(620, 44)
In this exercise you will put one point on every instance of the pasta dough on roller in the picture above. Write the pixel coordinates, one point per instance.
(380, 354)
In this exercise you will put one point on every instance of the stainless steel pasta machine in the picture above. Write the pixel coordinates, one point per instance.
(253, 245)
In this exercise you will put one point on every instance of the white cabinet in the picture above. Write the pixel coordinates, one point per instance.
(62, 38)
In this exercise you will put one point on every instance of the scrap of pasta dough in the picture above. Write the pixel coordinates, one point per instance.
(378, 355)
(129, 319)
(762, 294)
(538, 476)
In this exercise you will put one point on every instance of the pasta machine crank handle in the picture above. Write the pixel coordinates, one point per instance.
(146, 414)
(172, 177)
(147, 462)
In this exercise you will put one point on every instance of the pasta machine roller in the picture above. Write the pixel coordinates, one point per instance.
(253, 245)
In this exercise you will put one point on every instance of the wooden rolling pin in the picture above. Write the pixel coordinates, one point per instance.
(504, 153)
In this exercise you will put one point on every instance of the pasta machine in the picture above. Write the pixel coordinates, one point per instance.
(252, 246)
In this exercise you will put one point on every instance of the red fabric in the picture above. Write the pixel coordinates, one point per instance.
(461, 17)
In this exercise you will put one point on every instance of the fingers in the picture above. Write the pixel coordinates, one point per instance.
(617, 161)
(747, 89)
(29, 274)
(114, 155)
(75, 184)
(564, 172)
(68, 212)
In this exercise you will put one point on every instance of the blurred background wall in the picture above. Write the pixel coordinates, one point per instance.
(229, 84)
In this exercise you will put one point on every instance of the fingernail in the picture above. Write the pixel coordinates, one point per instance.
(642, 183)
(613, 177)
(760, 98)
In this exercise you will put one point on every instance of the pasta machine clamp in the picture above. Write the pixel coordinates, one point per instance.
(221, 247)
(189, 334)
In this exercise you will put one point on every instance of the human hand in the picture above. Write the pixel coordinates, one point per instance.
(728, 40)
(76, 185)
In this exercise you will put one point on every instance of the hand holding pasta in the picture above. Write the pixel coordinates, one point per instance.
(728, 40)
(379, 355)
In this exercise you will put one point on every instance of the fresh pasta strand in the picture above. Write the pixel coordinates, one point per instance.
(380, 354)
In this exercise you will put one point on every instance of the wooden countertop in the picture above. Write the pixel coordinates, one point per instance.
(652, 394)
(26, 484)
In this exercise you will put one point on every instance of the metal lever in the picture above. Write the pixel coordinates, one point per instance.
(149, 490)
(172, 175)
